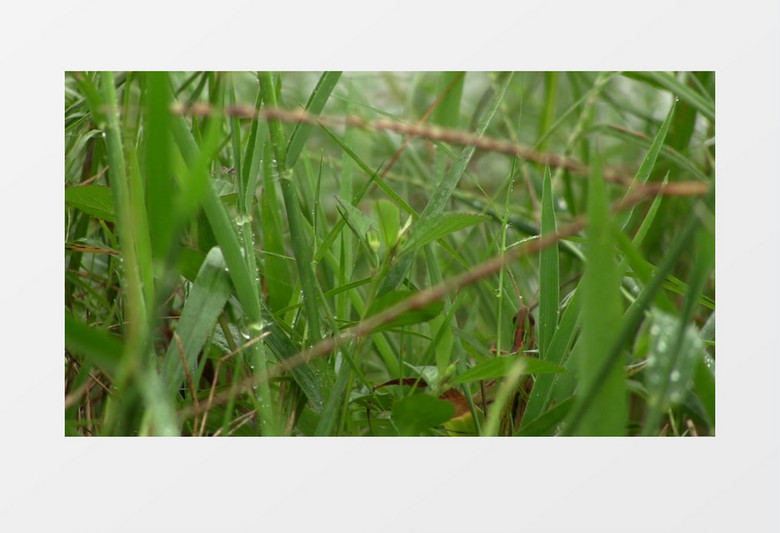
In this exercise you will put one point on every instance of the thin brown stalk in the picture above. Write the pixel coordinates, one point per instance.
(411, 130)
(76, 395)
(427, 114)
(213, 390)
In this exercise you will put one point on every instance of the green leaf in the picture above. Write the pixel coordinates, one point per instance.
(414, 316)
(446, 113)
(449, 182)
(198, 318)
(548, 272)
(190, 261)
(419, 412)
(673, 359)
(276, 269)
(437, 226)
(159, 186)
(548, 421)
(356, 219)
(704, 383)
(648, 163)
(668, 375)
(314, 106)
(633, 317)
(94, 200)
(671, 83)
(607, 414)
(499, 366)
(99, 347)
(557, 351)
(389, 221)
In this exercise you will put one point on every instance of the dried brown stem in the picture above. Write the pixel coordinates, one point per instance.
(411, 130)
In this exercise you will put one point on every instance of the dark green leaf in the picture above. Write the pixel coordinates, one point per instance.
(414, 316)
(418, 412)
(436, 226)
(94, 200)
(98, 346)
(499, 366)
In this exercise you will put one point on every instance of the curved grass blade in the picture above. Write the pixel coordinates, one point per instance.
(607, 413)
(498, 367)
(434, 227)
(669, 81)
(446, 186)
(548, 272)
(670, 365)
(99, 347)
(635, 313)
(314, 106)
(414, 316)
(206, 300)
(676, 366)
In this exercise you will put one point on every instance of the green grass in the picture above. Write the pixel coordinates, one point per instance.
(389, 254)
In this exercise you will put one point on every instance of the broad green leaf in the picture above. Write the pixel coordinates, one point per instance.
(332, 408)
(419, 412)
(668, 374)
(356, 219)
(499, 366)
(446, 113)
(159, 186)
(673, 359)
(99, 347)
(207, 297)
(414, 316)
(546, 423)
(389, 221)
(464, 425)
(276, 269)
(190, 261)
(704, 383)
(430, 374)
(607, 413)
(436, 226)
(94, 200)
(635, 314)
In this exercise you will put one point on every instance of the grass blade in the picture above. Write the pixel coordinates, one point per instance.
(446, 186)
(316, 103)
(607, 413)
(499, 367)
(435, 227)
(548, 272)
(206, 299)
(635, 313)
(99, 347)
(94, 200)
